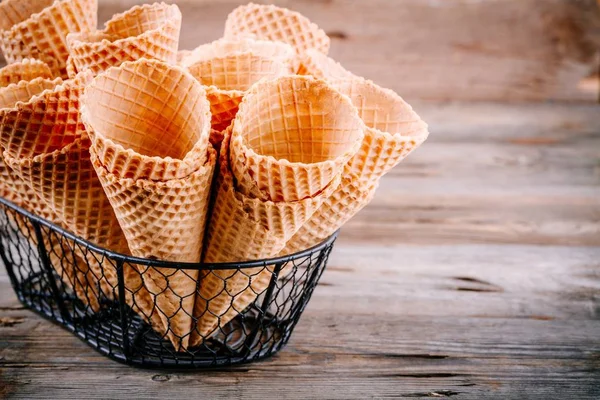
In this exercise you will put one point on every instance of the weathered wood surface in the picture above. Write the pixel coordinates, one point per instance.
(475, 273)
(443, 49)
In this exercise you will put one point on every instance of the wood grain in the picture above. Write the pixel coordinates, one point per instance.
(516, 50)
(475, 273)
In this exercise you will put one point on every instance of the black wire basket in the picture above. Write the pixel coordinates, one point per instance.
(44, 263)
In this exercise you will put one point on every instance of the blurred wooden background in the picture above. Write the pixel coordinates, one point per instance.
(500, 50)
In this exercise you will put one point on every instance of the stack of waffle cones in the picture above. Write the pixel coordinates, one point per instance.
(228, 68)
(39, 29)
(282, 158)
(150, 31)
(149, 125)
(122, 153)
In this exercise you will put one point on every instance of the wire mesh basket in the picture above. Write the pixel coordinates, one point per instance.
(56, 274)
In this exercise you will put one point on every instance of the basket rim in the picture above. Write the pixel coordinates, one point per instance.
(123, 258)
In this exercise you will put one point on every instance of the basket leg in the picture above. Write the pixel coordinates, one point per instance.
(48, 270)
(263, 309)
(123, 309)
(9, 267)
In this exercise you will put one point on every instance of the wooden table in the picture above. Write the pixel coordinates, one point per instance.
(475, 273)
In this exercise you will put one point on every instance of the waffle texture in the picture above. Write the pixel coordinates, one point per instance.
(269, 22)
(162, 218)
(228, 68)
(39, 29)
(25, 70)
(145, 31)
(291, 137)
(319, 65)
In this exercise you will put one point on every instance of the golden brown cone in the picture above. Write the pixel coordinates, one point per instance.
(393, 131)
(229, 67)
(39, 116)
(163, 138)
(60, 173)
(25, 70)
(40, 28)
(243, 228)
(145, 31)
(291, 137)
(269, 22)
(162, 219)
(319, 65)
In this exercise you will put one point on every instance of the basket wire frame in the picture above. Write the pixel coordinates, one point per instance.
(66, 280)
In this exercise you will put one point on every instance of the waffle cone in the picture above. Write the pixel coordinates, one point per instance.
(39, 29)
(393, 131)
(291, 137)
(165, 220)
(162, 114)
(229, 67)
(162, 218)
(39, 116)
(269, 22)
(243, 228)
(60, 174)
(145, 31)
(317, 64)
(25, 70)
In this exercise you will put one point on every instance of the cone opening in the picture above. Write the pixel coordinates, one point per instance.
(148, 107)
(13, 12)
(381, 109)
(299, 119)
(237, 64)
(25, 70)
(319, 65)
(141, 19)
(237, 73)
(269, 22)
(25, 91)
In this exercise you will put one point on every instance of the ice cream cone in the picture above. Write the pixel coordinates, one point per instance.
(269, 22)
(25, 70)
(38, 29)
(319, 65)
(146, 31)
(229, 67)
(156, 117)
(243, 228)
(291, 137)
(47, 148)
(393, 131)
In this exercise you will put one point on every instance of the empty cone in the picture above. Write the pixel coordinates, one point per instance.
(228, 68)
(319, 65)
(299, 145)
(159, 116)
(25, 70)
(291, 137)
(47, 148)
(145, 31)
(269, 22)
(39, 29)
(393, 131)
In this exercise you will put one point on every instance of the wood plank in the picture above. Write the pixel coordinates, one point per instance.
(517, 50)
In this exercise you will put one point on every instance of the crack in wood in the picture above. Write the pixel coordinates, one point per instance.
(8, 322)
(437, 393)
